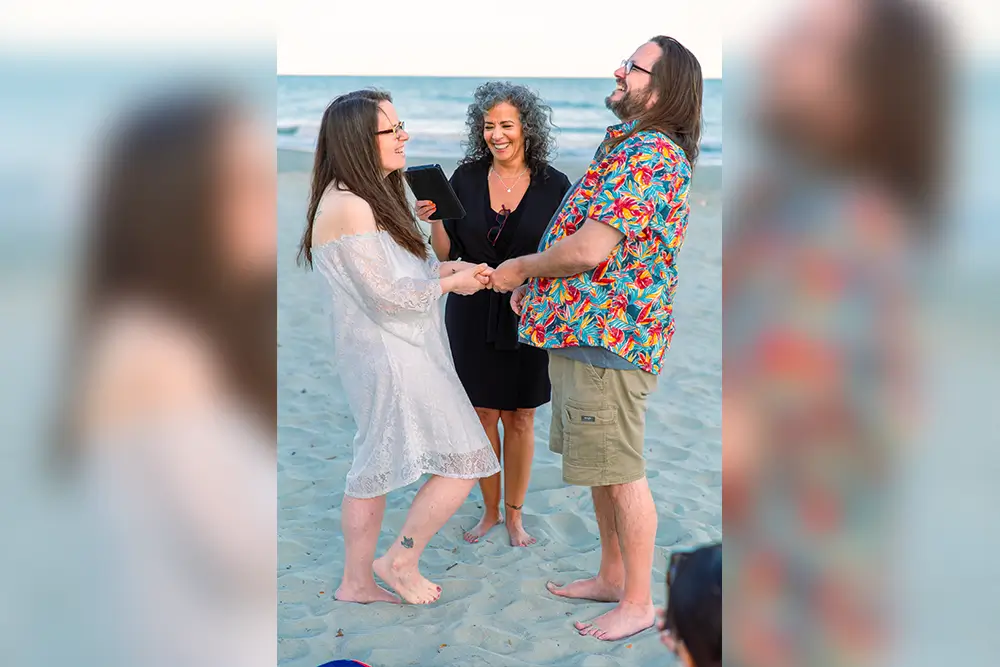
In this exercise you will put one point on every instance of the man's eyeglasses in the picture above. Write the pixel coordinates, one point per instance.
(494, 232)
(630, 65)
(395, 129)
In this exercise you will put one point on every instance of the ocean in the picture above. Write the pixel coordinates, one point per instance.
(434, 110)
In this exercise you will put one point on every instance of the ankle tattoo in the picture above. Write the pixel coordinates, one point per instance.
(514, 507)
(407, 542)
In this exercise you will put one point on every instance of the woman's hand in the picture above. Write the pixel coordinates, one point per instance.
(425, 209)
(468, 281)
(451, 268)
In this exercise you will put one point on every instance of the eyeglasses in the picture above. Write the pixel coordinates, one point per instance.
(494, 233)
(395, 129)
(630, 65)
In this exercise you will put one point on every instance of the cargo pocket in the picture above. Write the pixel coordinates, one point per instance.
(587, 432)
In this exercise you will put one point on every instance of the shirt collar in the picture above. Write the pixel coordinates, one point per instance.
(616, 131)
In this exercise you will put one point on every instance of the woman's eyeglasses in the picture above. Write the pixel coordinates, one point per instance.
(395, 129)
(630, 65)
(494, 233)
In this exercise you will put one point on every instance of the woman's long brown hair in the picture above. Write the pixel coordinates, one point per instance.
(348, 156)
(678, 84)
(155, 238)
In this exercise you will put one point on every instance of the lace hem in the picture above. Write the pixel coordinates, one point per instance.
(473, 465)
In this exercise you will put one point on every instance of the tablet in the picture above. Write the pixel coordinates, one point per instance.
(429, 183)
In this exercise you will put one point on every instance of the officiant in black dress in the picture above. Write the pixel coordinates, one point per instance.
(510, 193)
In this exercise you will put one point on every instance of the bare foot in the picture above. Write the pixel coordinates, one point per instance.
(484, 526)
(407, 581)
(623, 621)
(518, 536)
(364, 594)
(594, 588)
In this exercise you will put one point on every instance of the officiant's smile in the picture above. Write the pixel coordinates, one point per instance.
(504, 135)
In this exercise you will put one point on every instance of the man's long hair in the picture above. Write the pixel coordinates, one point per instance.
(678, 86)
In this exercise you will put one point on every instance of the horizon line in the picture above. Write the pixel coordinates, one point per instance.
(460, 76)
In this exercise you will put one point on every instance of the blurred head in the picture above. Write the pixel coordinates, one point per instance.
(187, 182)
(660, 86)
(509, 123)
(360, 149)
(184, 220)
(860, 86)
(693, 620)
(247, 197)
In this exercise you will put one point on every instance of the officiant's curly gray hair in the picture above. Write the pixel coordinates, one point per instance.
(536, 122)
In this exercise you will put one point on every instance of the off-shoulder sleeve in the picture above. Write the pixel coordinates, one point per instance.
(433, 265)
(365, 264)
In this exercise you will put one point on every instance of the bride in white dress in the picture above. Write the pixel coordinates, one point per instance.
(391, 348)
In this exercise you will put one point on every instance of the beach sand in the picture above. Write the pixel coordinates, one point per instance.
(494, 608)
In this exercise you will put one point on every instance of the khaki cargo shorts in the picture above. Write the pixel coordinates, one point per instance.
(598, 421)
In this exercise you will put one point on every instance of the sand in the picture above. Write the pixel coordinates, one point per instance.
(494, 609)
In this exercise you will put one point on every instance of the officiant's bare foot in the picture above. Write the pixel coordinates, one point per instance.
(518, 535)
(594, 588)
(364, 594)
(485, 525)
(623, 621)
(406, 580)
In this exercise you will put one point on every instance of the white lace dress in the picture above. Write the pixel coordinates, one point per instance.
(393, 356)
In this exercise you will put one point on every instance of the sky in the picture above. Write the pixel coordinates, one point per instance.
(512, 38)
(517, 38)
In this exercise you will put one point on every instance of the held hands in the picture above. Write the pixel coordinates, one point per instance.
(470, 280)
(507, 276)
(425, 209)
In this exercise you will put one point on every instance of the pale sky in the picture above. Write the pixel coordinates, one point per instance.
(541, 38)
(427, 37)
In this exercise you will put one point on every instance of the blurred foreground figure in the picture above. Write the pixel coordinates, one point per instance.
(170, 423)
(825, 252)
(691, 624)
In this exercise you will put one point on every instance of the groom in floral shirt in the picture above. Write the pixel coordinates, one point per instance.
(599, 297)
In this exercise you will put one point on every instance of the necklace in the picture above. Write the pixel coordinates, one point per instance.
(504, 183)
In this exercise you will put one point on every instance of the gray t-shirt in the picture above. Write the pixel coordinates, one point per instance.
(595, 356)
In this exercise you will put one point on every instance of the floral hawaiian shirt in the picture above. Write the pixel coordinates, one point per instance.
(625, 304)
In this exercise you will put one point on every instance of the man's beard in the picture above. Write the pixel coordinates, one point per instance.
(629, 106)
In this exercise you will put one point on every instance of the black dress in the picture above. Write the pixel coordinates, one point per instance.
(496, 370)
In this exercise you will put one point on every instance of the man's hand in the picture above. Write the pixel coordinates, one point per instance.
(517, 298)
(507, 276)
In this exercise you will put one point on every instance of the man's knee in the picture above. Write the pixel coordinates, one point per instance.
(619, 492)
